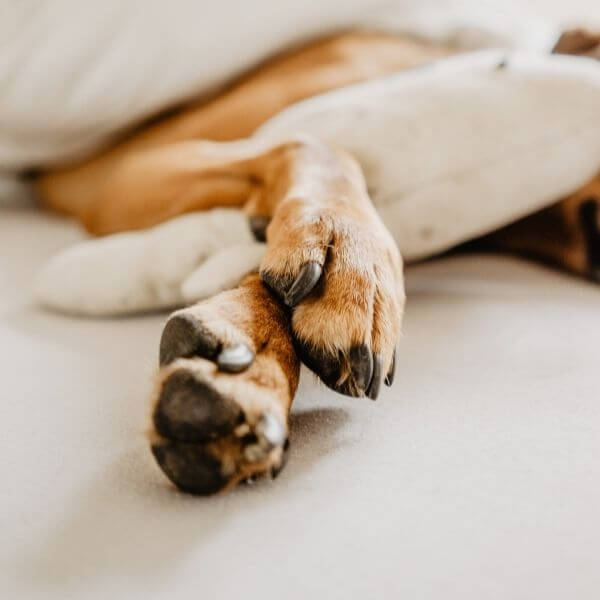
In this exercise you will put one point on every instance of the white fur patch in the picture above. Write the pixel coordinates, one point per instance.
(147, 270)
(450, 151)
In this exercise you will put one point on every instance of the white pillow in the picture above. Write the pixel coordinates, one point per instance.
(74, 73)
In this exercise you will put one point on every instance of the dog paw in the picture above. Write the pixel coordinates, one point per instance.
(213, 429)
(340, 272)
(228, 374)
(181, 261)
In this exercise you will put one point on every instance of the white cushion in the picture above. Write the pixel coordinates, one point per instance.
(74, 73)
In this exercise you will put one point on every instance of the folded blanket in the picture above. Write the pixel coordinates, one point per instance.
(450, 151)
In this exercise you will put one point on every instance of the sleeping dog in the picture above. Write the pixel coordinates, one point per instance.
(330, 289)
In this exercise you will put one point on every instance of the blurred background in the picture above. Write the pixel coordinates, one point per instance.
(74, 74)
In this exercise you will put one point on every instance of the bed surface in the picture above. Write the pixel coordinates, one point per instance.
(476, 476)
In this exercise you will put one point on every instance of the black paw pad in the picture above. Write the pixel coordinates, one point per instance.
(189, 410)
(185, 336)
(190, 467)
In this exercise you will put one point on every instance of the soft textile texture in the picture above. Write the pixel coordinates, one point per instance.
(190, 257)
(450, 151)
(74, 73)
(475, 476)
(465, 145)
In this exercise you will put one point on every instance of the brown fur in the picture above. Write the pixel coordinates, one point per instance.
(321, 214)
(251, 315)
(135, 182)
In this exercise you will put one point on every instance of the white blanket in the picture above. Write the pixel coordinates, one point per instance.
(74, 75)
(450, 151)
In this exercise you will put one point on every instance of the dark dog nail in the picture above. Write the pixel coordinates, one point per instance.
(234, 359)
(389, 378)
(189, 410)
(189, 467)
(258, 226)
(284, 458)
(277, 283)
(373, 389)
(326, 366)
(361, 366)
(185, 336)
(308, 277)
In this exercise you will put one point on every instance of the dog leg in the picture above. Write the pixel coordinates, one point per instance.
(80, 190)
(229, 370)
(579, 42)
(565, 235)
(228, 374)
(332, 261)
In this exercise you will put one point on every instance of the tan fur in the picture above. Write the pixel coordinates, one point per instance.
(249, 314)
(320, 212)
(151, 164)
(579, 42)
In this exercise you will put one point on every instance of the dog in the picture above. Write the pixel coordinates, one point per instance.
(330, 290)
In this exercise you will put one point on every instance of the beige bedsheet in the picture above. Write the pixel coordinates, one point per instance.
(476, 476)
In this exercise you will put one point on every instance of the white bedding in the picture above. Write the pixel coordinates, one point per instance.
(73, 73)
(450, 151)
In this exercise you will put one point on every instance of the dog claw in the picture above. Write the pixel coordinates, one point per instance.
(234, 359)
(361, 366)
(190, 467)
(258, 226)
(308, 277)
(389, 378)
(373, 389)
(189, 410)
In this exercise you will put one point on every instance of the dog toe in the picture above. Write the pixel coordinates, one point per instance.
(183, 336)
(192, 468)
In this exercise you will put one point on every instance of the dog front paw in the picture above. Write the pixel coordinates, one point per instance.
(340, 272)
(228, 373)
